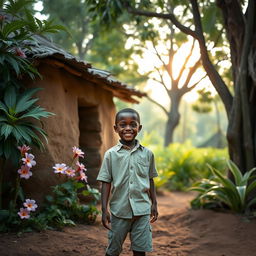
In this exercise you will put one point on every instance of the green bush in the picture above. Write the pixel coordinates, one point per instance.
(221, 192)
(180, 165)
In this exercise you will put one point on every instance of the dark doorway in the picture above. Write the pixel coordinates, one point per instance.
(90, 140)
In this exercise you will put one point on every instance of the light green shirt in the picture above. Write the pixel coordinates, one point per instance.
(129, 172)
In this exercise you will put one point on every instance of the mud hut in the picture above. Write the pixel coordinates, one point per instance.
(81, 97)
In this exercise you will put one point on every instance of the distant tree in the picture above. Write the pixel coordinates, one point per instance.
(90, 42)
(238, 24)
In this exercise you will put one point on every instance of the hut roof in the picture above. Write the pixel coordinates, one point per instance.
(42, 50)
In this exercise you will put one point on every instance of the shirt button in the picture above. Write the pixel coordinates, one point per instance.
(131, 167)
(131, 182)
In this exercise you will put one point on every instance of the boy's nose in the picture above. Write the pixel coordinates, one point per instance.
(128, 127)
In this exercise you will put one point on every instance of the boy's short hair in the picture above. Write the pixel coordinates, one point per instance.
(127, 110)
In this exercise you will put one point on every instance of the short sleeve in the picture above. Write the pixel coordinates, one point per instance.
(105, 173)
(152, 168)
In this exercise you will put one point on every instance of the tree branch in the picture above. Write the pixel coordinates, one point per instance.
(162, 81)
(168, 16)
(213, 75)
(158, 104)
(186, 61)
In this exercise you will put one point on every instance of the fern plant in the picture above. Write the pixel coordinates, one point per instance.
(220, 191)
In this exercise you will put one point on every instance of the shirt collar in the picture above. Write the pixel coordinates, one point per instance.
(137, 145)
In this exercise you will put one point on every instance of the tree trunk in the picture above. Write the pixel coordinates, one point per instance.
(242, 122)
(173, 119)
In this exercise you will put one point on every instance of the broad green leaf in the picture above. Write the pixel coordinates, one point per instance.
(10, 97)
(6, 130)
(236, 172)
(12, 27)
(37, 112)
(3, 107)
(14, 64)
(251, 187)
(3, 119)
(20, 129)
(226, 182)
(247, 176)
(242, 193)
(23, 105)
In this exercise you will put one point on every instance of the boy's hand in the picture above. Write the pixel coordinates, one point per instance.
(105, 219)
(154, 213)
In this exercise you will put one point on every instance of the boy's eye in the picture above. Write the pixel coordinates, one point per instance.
(123, 125)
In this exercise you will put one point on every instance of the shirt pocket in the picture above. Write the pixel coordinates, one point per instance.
(143, 167)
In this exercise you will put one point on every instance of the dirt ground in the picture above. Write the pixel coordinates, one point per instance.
(179, 231)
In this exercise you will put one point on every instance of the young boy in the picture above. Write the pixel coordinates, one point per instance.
(127, 171)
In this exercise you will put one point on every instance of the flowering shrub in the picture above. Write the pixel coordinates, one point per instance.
(61, 208)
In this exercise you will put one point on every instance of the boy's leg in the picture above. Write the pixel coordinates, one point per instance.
(141, 235)
(117, 235)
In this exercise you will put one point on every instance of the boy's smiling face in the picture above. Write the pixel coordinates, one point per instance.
(127, 126)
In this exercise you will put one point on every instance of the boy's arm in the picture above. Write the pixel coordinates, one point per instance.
(105, 191)
(152, 193)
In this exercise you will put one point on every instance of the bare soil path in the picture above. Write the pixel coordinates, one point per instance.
(179, 231)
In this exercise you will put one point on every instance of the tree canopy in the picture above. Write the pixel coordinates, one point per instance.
(210, 22)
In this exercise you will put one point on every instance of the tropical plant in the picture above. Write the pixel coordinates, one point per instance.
(17, 108)
(220, 191)
(180, 165)
(17, 112)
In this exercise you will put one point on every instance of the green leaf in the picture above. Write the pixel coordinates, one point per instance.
(24, 97)
(12, 27)
(26, 137)
(24, 105)
(242, 194)
(3, 119)
(10, 97)
(251, 187)
(236, 172)
(3, 107)
(226, 182)
(36, 112)
(6, 130)
(14, 64)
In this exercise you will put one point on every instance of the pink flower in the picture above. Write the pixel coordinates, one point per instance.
(30, 204)
(24, 149)
(25, 172)
(77, 152)
(70, 172)
(20, 53)
(60, 168)
(82, 176)
(80, 166)
(24, 213)
(28, 160)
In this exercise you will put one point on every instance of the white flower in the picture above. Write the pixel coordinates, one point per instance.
(28, 160)
(30, 204)
(24, 213)
(60, 168)
(70, 172)
(25, 172)
(77, 152)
